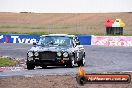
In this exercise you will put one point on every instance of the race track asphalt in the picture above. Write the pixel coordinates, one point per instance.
(98, 59)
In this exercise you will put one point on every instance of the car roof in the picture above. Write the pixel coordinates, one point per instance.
(59, 35)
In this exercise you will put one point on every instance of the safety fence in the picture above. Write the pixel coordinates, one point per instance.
(84, 39)
(112, 40)
(18, 38)
(29, 39)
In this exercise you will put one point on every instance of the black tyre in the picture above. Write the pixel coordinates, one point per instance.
(81, 62)
(71, 63)
(30, 66)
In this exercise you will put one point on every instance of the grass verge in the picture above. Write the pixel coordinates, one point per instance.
(4, 62)
(45, 33)
(32, 33)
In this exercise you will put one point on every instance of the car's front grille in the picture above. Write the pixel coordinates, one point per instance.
(47, 55)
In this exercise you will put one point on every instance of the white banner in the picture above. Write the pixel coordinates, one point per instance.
(112, 40)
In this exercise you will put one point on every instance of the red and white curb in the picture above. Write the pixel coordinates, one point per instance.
(5, 69)
(19, 67)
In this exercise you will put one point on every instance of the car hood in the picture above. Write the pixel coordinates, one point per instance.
(51, 48)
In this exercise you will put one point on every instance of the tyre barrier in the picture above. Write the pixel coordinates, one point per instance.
(30, 39)
(112, 40)
(84, 39)
(18, 38)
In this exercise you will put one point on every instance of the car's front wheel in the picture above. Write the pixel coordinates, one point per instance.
(30, 66)
(71, 63)
(81, 62)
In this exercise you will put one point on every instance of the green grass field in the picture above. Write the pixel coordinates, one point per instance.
(7, 62)
(69, 23)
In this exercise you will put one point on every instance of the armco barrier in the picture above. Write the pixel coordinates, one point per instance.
(18, 38)
(84, 39)
(112, 40)
(29, 39)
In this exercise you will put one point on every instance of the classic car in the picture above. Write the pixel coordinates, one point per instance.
(56, 50)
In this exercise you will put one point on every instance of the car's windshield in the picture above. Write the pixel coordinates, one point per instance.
(54, 41)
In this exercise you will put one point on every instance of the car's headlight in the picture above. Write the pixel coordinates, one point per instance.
(36, 53)
(30, 54)
(59, 54)
(65, 54)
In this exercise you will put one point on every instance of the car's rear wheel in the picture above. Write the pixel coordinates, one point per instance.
(30, 66)
(81, 62)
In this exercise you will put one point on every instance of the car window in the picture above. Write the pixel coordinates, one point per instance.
(55, 40)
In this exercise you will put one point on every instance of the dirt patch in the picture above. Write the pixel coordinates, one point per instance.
(82, 23)
(52, 82)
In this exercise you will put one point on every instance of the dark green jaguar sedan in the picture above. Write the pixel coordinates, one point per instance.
(56, 50)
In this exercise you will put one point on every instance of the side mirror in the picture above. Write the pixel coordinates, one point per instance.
(78, 43)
